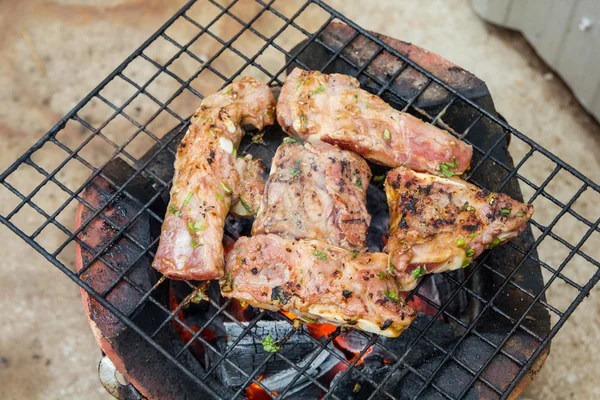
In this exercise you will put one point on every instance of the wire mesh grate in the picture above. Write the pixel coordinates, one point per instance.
(207, 44)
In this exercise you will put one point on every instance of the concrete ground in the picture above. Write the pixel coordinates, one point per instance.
(53, 52)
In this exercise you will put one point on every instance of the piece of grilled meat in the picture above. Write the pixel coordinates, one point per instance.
(333, 108)
(439, 224)
(316, 191)
(249, 186)
(318, 282)
(205, 178)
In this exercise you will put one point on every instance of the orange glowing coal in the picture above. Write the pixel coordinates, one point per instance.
(255, 392)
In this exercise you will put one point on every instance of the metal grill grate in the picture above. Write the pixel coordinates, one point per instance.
(258, 40)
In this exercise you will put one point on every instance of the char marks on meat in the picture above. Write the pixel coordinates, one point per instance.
(316, 191)
(206, 178)
(332, 108)
(318, 282)
(439, 224)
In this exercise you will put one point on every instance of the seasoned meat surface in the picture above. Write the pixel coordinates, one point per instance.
(316, 191)
(318, 282)
(249, 187)
(440, 224)
(205, 178)
(332, 108)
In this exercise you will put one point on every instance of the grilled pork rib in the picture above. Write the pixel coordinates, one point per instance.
(439, 224)
(333, 108)
(318, 282)
(205, 179)
(316, 191)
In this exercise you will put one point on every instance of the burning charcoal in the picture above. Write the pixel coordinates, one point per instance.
(249, 353)
(353, 386)
(322, 363)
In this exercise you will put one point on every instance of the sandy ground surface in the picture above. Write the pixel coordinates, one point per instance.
(54, 52)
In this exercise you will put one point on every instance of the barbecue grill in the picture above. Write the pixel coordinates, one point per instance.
(482, 332)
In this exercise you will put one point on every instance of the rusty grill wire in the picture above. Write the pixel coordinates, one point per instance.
(169, 110)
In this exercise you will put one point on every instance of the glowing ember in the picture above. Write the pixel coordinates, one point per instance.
(255, 392)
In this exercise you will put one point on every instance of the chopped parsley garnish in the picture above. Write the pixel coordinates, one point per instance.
(386, 134)
(505, 211)
(470, 252)
(225, 188)
(195, 244)
(295, 172)
(519, 214)
(270, 345)
(378, 178)
(197, 226)
(354, 254)
(392, 267)
(460, 242)
(220, 197)
(418, 272)
(212, 133)
(355, 98)
(288, 140)
(445, 168)
(187, 199)
(267, 111)
(300, 82)
(464, 206)
(472, 235)
(321, 255)
(246, 206)
(495, 243)
(175, 210)
(359, 182)
(234, 153)
(381, 275)
(471, 208)
(466, 262)
(320, 89)
(229, 90)
(392, 296)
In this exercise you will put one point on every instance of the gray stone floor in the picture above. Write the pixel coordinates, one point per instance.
(54, 52)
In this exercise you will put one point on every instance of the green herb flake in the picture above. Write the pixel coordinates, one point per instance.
(519, 214)
(300, 82)
(505, 211)
(225, 188)
(354, 254)
(270, 345)
(392, 296)
(378, 178)
(267, 111)
(466, 262)
(495, 243)
(472, 235)
(418, 272)
(304, 121)
(295, 172)
(312, 321)
(246, 206)
(197, 226)
(289, 140)
(471, 208)
(464, 206)
(195, 244)
(470, 253)
(175, 210)
(321, 89)
(212, 133)
(359, 182)
(392, 267)
(187, 199)
(355, 98)
(381, 275)
(386, 134)
(229, 90)
(445, 168)
(460, 242)
(234, 153)
(321, 255)
(220, 197)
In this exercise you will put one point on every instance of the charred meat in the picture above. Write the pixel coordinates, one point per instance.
(318, 282)
(316, 191)
(332, 108)
(205, 179)
(440, 224)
